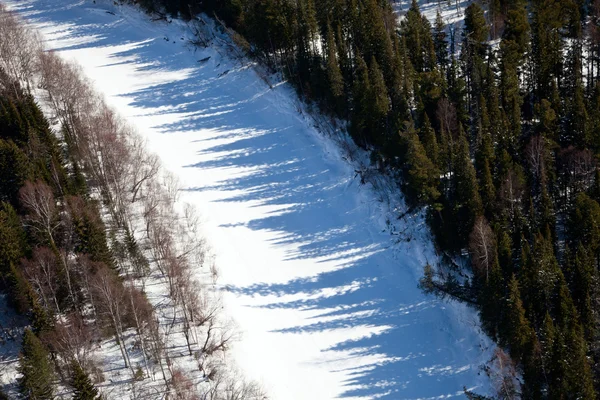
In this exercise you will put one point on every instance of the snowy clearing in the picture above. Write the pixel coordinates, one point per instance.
(325, 298)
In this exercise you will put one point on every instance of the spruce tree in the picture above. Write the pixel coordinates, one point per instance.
(517, 329)
(334, 73)
(429, 141)
(83, 388)
(467, 202)
(36, 378)
(379, 105)
(440, 43)
(422, 174)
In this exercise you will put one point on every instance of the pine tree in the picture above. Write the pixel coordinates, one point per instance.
(13, 240)
(541, 278)
(516, 327)
(15, 169)
(467, 202)
(429, 141)
(422, 175)
(584, 224)
(83, 388)
(361, 103)
(35, 368)
(440, 43)
(379, 105)
(420, 45)
(334, 73)
(582, 277)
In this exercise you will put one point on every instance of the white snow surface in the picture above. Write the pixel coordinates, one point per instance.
(322, 286)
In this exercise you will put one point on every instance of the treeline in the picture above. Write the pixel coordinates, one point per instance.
(500, 143)
(82, 212)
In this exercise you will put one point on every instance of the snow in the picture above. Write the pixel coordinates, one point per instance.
(324, 296)
(452, 11)
(11, 330)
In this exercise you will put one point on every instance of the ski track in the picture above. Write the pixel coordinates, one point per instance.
(325, 300)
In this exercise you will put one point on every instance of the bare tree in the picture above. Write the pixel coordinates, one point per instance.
(42, 271)
(182, 386)
(482, 247)
(70, 96)
(511, 192)
(535, 154)
(578, 169)
(112, 304)
(19, 47)
(142, 313)
(72, 339)
(226, 384)
(37, 198)
(144, 166)
(504, 376)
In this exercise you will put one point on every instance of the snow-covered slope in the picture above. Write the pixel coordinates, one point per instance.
(324, 296)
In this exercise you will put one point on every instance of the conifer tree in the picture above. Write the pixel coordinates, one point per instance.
(334, 73)
(429, 141)
(13, 241)
(473, 53)
(36, 378)
(379, 105)
(361, 103)
(83, 388)
(583, 276)
(416, 29)
(440, 43)
(422, 176)
(517, 327)
(15, 169)
(466, 190)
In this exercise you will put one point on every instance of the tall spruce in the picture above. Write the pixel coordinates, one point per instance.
(83, 387)
(36, 371)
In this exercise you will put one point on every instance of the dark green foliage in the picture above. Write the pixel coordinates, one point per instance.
(466, 199)
(90, 230)
(334, 73)
(13, 241)
(517, 330)
(584, 224)
(34, 365)
(420, 45)
(422, 174)
(440, 43)
(83, 388)
(15, 169)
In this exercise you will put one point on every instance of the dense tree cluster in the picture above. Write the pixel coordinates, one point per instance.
(500, 143)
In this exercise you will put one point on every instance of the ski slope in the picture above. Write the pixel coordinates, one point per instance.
(321, 285)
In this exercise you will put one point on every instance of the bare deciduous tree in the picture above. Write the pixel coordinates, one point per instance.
(144, 166)
(72, 340)
(482, 248)
(112, 304)
(37, 198)
(579, 167)
(42, 271)
(511, 192)
(19, 48)
(182, 386)
(504, 376)
(535, 153)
